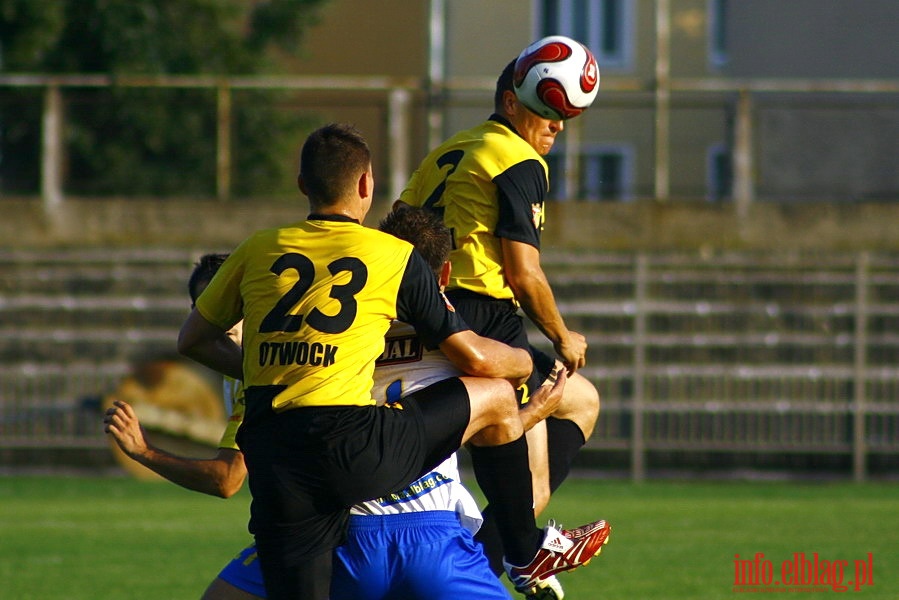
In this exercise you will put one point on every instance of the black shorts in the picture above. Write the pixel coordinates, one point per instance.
(307, 466)
(500, 320)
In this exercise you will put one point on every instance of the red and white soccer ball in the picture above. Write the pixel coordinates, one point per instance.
(556, 77)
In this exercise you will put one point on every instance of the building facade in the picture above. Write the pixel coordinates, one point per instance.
(699, 99)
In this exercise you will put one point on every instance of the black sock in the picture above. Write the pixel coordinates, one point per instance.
(489, 538)
(505, 478)
(564, 440)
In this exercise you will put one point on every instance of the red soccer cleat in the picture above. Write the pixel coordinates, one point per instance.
(562, 550)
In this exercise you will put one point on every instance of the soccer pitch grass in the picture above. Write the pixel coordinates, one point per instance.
(98, 538)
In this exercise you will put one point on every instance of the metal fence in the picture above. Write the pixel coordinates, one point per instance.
(400, 100)
(737, 352)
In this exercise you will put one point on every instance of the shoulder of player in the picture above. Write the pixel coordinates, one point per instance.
(328, 227)
(506, 149)
(387, 240)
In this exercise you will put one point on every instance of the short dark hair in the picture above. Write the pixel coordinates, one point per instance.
(503, 84)
(423, 229)
(204, 269)
(332, 159)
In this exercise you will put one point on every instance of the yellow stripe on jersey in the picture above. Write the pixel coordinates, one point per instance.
(317, 298)
(457, 179)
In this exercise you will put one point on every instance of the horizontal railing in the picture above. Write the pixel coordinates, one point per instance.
(745, 353)
(403, 95)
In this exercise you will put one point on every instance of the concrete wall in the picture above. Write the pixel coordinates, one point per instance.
(813, 38)
(643, 225)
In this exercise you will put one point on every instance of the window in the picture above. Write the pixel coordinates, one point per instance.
(605, 26)
(718, 42)
(719, 180)
(603, 172)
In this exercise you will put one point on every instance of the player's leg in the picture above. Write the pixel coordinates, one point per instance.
(504, 476)
(288, 576)
(570, 426)
(484, 413)
(538, 459)
(573, 422)
(580, 404)
(295, 519)
(241, 579)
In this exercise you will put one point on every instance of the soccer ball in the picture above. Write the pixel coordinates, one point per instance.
(556, 77)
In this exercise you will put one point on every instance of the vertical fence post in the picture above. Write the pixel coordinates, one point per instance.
(860, 374)
(638, 451)
(223, 141)
(51, 156)
(436, 72)
(743, 155)
(400, 103)
(663, 100)
(572, 160)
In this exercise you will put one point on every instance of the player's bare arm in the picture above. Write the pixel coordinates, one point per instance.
(482, 357)
(220, 476)
(210, 346)
(521, 263)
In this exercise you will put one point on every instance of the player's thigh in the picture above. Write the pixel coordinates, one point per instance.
(580, 403)
(445, 411)
(538, 459)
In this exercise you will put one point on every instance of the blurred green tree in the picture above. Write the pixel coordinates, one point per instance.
(153, 141)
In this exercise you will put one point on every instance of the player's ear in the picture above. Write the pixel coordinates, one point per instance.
(444, 277)
(302, 185)
(510, 102)
(366, 184)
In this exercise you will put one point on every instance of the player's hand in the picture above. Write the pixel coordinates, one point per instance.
(572, 351)
(546, 399)
(124, 427)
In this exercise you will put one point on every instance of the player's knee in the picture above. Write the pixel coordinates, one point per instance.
(592, 402)
(494, 417)
(583, 405)
(504, 410)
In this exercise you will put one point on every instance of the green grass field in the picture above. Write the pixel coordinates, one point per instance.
(91, 538)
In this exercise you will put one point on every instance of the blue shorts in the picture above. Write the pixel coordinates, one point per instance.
(424, 555)
(244, 573)
(417, 555)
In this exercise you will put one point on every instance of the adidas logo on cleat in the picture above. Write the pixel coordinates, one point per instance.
(557, 543)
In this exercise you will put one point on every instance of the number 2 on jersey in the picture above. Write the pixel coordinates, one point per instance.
(452, 158)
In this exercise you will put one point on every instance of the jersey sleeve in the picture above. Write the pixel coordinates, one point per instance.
(420, 303)
(519, 189)
(220, 303)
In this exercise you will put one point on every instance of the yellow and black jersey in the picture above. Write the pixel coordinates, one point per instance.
(317, 298)
(487, 183)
